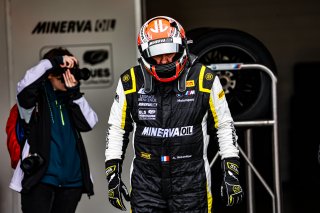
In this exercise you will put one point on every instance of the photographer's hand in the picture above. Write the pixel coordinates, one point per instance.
(69, 61)
(69, 79)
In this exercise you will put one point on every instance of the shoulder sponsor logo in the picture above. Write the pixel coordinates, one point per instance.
(126, 78)
(190, 83)
(209, 76)
(167, 133)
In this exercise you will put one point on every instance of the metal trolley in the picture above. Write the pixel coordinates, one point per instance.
(276, 192)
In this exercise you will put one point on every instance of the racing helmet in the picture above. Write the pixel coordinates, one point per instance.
(163, 35)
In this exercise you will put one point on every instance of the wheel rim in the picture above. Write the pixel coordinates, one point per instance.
(242, 90)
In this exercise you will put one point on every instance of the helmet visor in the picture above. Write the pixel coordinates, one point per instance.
(162, 46)
(160, 49)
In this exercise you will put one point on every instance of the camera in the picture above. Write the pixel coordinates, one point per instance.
(78, 73)
(32, 163)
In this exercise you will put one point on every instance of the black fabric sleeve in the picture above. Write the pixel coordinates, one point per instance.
(80, 122)
(56, 61)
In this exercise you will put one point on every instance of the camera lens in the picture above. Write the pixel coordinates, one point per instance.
(28, 163)
(81, 74)
(31, 163)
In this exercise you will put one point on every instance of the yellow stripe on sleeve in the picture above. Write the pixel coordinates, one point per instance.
(124, 111)
(214, 113)
(209, 199)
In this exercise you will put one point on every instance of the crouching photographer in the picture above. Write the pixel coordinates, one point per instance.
(54, 163)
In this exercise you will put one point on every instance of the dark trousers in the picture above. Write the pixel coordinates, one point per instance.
(45, 198)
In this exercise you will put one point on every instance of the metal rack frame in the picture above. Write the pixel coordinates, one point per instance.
(276, 192)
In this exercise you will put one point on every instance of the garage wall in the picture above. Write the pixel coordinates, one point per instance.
(26, 33)
(289, 29)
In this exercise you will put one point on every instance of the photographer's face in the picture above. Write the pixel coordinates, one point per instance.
(57, 82)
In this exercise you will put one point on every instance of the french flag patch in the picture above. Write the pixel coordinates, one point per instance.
(165, 158)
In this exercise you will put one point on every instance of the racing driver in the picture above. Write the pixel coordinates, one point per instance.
(171, 104)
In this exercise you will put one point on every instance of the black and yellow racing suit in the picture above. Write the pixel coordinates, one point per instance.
(170, 170)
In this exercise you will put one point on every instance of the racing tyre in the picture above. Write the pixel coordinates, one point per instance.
(248, 92)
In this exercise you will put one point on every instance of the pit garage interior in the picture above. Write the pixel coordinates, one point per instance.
(283, 35)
